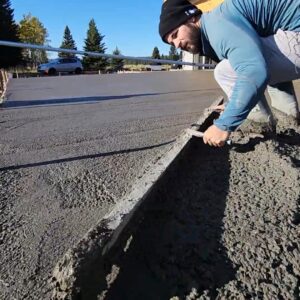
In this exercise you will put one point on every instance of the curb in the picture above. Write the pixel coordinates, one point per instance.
(114, 232)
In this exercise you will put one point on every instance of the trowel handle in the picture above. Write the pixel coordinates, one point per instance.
(201, 134)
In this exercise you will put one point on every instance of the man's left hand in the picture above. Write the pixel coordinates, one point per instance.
(215, 136)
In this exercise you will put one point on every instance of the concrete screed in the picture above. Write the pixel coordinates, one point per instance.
(224, 223)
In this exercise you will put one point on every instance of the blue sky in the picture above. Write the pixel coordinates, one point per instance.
(130, 25)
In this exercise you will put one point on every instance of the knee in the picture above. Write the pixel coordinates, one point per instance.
(225, 76)
(219, 72)
(224, 72)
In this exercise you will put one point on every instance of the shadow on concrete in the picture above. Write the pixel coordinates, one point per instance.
(286, 138)
(289, 136)
(14, 104)
(176, 246)
(65, 101)
(250, 145)
(76, 158)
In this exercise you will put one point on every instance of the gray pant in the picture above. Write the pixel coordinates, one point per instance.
(282, 54)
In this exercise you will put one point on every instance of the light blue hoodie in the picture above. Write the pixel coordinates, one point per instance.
(231, 31)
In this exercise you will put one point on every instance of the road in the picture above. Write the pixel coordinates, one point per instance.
(71, 147)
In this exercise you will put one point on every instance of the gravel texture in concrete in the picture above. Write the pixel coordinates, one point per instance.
(70, 148)
(222, 224)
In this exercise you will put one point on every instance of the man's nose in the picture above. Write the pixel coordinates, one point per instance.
(176, 43)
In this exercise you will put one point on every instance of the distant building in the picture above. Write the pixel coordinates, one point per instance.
(195, 58)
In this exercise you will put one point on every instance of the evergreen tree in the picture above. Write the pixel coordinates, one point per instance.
(173, 53)
(32, 31)
(9, 57)
(94, 43)
(67, 43)
(155, 53)
(116, 63)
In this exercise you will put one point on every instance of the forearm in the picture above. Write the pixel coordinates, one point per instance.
(246, 94)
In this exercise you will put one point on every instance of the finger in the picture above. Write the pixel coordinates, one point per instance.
(210, 143)
(216, 144)
(221, 144)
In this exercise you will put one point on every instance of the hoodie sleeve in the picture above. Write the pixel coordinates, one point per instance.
(234, 39)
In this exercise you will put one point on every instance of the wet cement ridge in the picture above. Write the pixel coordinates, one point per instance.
(100, 239)
(220, 223)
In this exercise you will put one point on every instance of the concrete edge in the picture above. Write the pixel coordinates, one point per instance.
(102, 237)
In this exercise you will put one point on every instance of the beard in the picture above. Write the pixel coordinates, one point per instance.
(194, 40)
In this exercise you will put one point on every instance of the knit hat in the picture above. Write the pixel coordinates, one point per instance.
(175, 13)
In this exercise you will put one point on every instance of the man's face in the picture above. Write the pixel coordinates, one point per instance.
(186, 37)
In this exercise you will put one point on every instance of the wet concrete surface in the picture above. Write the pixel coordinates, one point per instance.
(221, 224)
(71, 147)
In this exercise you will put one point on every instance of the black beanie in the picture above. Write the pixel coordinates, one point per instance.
(175, 13)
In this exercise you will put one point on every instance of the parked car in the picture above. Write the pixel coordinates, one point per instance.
(69, 65)
(176, 67)
(154, 68)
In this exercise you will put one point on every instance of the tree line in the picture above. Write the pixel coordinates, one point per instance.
(32, 31)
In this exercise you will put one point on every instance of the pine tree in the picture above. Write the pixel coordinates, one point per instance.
(67, 43)
(9, 57)
(94, 43)
(173, 53)
(116, 63)
(155, 53)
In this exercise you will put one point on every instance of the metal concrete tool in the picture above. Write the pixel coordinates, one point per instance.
(200, 135)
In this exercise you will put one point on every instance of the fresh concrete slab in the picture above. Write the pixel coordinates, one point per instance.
(71, 147)
(71, 273)
(219, 224)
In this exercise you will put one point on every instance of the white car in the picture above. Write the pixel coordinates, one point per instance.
(154, 68)
(69, 65)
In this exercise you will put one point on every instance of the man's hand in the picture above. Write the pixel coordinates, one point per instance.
(215, 136)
